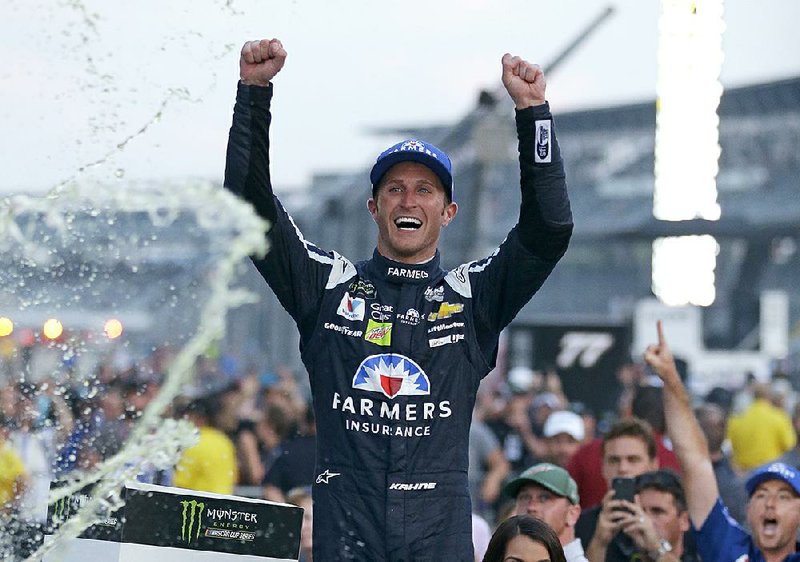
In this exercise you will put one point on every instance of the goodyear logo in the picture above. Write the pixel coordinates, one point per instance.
(191, 520)
(379, 333)
(446, 310)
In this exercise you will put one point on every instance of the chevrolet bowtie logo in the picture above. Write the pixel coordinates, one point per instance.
(326, 476)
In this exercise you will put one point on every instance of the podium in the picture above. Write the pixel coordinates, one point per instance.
(163, 524)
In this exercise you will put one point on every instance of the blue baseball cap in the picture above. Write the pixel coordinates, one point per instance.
(774, 471)
(415, 151)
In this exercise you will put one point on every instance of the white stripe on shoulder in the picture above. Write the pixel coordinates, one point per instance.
(458, 278)
(341, 268)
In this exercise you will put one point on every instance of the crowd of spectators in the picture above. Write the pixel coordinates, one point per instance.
(257, 438)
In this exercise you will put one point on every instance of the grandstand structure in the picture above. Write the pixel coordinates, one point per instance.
(609, 154)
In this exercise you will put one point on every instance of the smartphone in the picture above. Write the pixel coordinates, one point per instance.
(624, 488)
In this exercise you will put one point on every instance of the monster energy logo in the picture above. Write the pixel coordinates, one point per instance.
(61, 509)
(64, 507)
(192, 510)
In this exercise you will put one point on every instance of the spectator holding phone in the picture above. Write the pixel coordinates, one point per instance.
(629, 449)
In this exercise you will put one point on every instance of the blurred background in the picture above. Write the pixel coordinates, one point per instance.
(120, 96)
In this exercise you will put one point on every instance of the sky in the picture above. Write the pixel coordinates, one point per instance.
(123, 93)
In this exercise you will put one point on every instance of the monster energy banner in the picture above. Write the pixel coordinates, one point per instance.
(108, 527)
(174, 518)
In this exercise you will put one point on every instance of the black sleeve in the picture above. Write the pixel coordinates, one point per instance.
(545, 221)
(505, 281)
(247, 160)
(296, 270)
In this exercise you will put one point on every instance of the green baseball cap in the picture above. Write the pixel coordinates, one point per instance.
(548, 476)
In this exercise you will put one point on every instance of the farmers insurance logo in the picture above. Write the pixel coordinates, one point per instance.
(391, 375)
(191, 520)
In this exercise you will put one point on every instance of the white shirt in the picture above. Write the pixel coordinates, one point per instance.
(573, 551)
(481, 534)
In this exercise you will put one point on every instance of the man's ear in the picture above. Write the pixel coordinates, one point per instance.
(683, 519)
(573, 513)
(373, 208)
(449, 213)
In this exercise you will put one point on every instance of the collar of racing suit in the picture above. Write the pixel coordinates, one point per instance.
(406, 272)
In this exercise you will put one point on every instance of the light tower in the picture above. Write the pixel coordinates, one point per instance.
(687, 147)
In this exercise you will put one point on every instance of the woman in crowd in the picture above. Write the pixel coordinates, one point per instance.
(523, 538)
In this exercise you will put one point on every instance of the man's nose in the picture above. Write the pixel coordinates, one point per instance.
(409, 198)
(626, 469)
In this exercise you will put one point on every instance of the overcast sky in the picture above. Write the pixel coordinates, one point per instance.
(82, 81)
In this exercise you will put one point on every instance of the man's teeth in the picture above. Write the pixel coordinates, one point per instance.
(770, 526)
(408, 223)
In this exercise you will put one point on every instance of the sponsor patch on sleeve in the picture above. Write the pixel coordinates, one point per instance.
(543, 142)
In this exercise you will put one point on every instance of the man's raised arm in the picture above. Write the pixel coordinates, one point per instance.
(247, 165)
(545, 221)
(684, 431)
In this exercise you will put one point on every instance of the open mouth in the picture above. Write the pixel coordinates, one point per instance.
(407, 223)
(770, 526)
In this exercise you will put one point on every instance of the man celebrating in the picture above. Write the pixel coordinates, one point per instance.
(548, 492)
(395, 347)
(773, 510)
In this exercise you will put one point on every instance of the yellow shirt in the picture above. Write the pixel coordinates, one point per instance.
(11, 469)
(760, 434)
(210, 465)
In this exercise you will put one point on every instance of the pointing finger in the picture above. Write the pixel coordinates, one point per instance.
(661, 340)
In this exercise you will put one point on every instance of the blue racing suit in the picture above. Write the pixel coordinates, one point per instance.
(395, 352)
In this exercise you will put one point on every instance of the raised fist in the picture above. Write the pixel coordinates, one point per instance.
(524, 81)
(261, 61)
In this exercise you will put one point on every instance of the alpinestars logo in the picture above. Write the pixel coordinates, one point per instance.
(391, 375)
(191, 520)
(325, 477)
